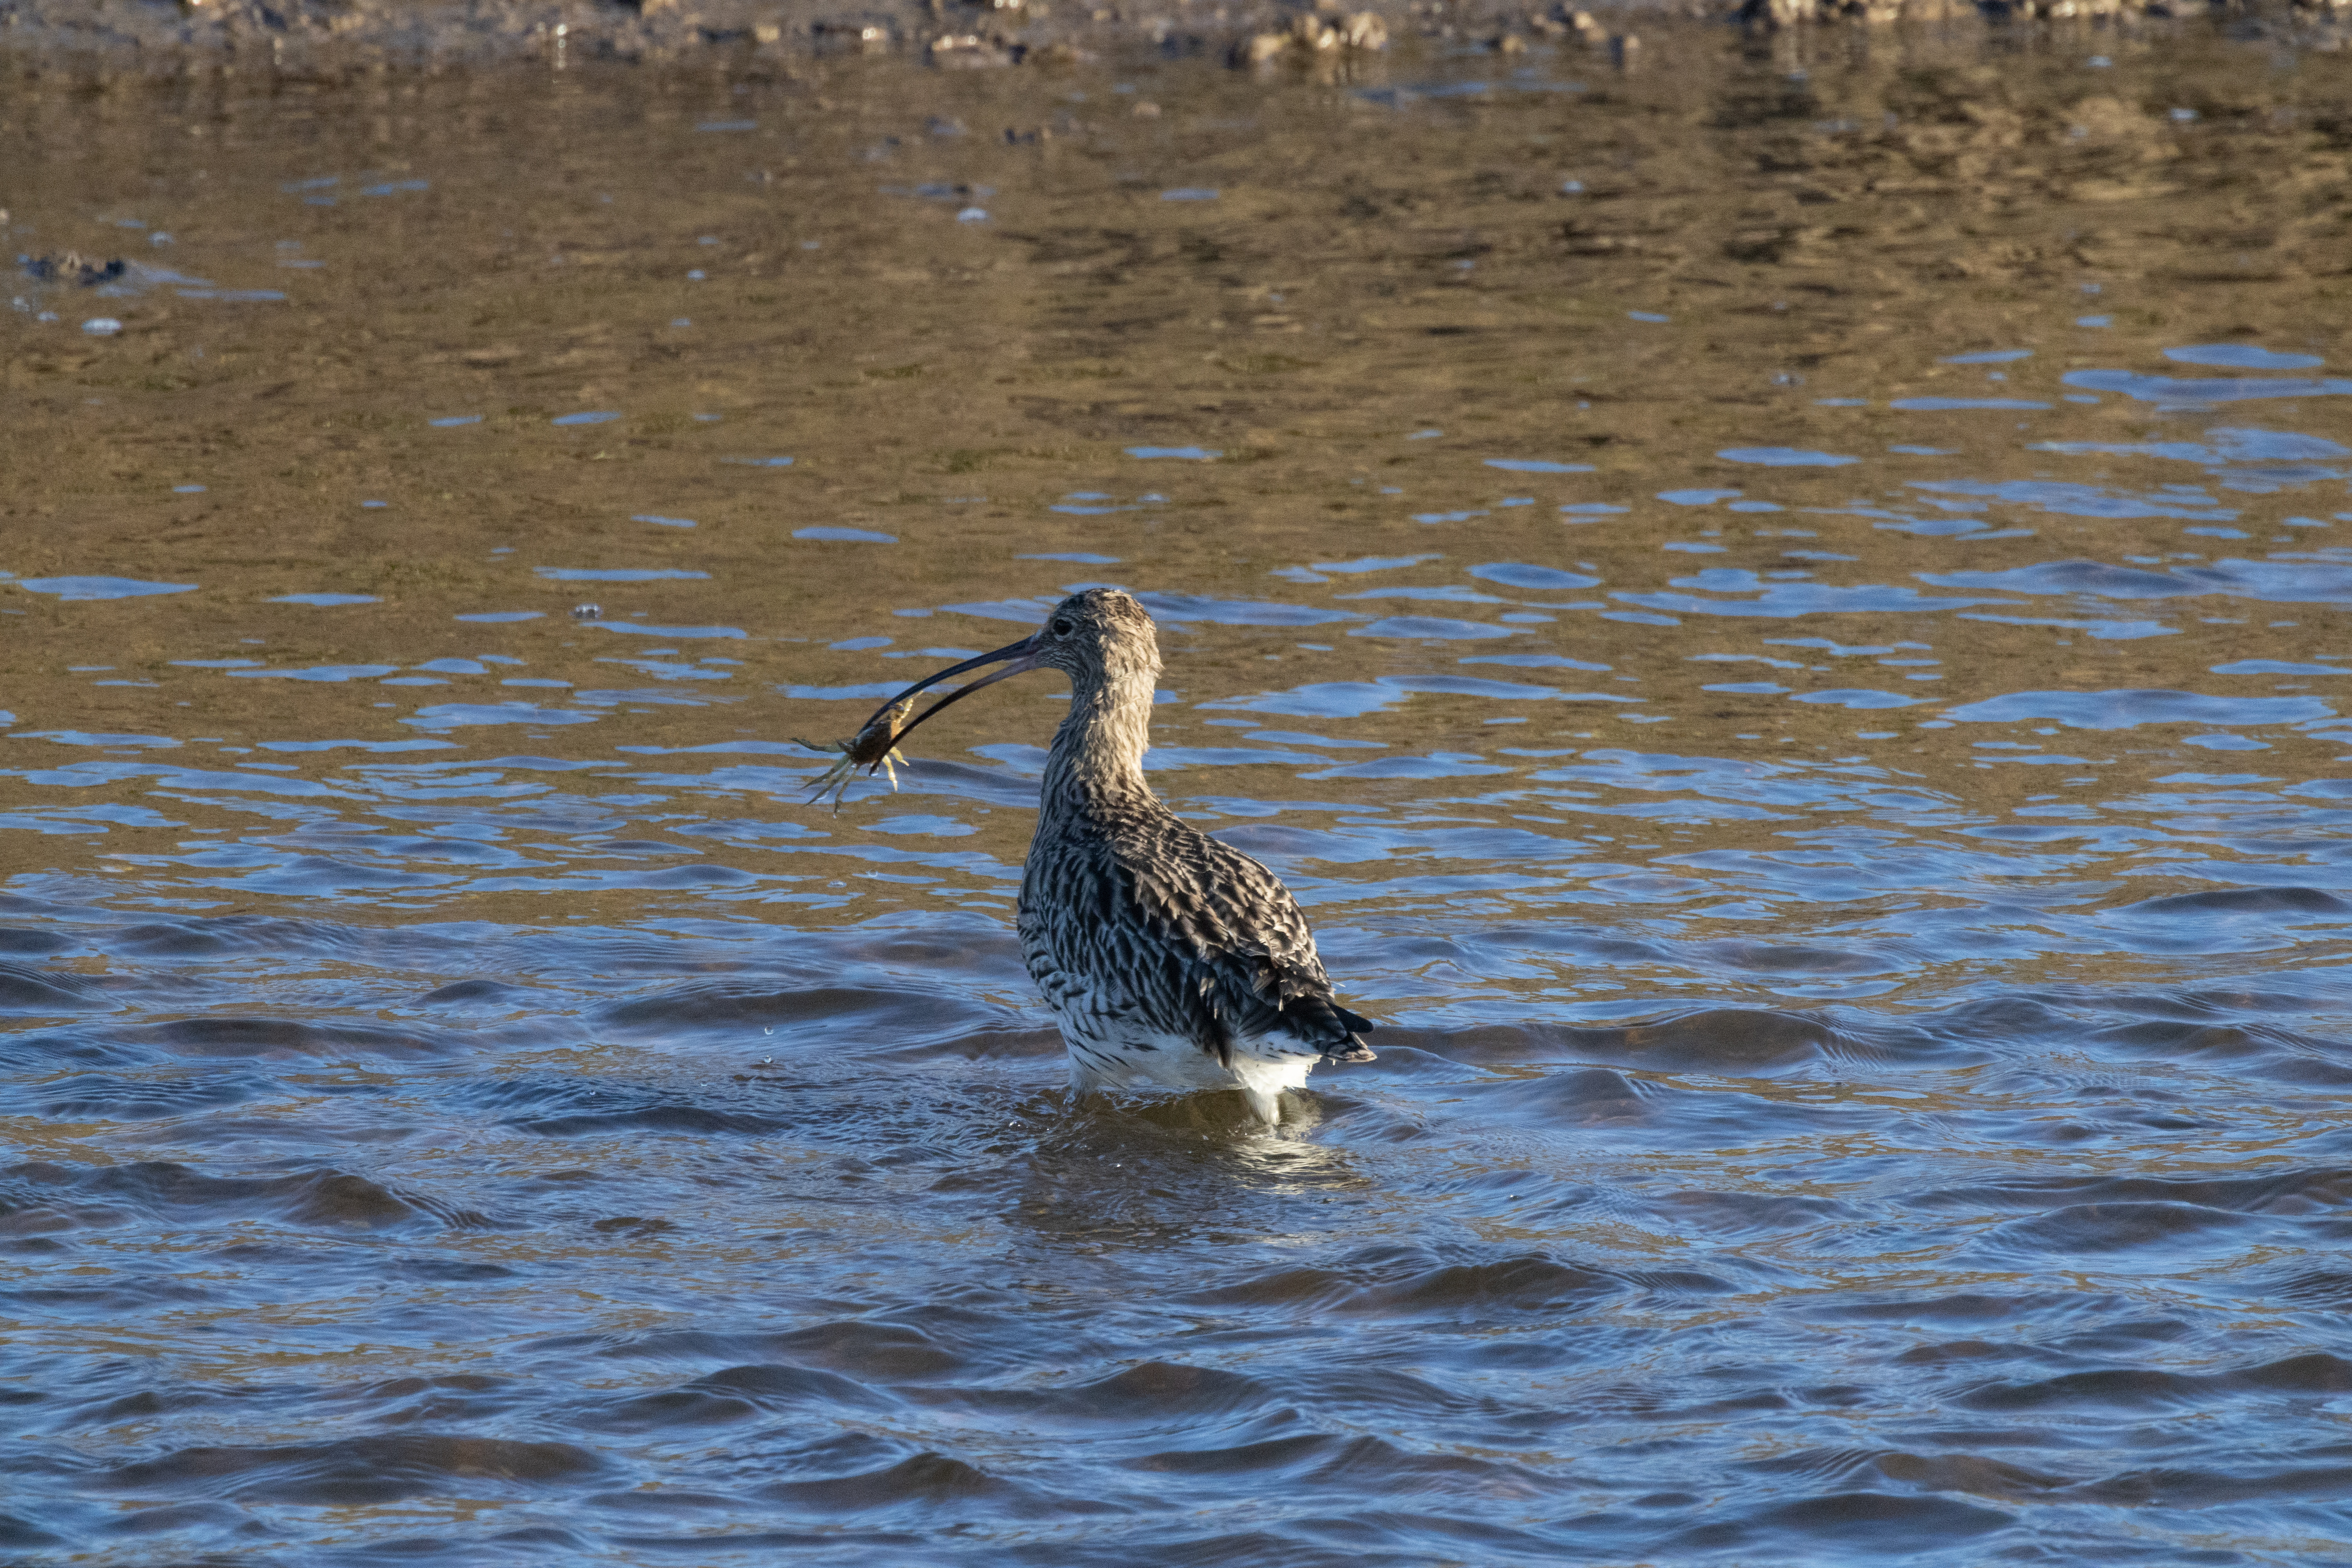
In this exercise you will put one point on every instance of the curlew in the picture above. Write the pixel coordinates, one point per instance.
(1171, 961)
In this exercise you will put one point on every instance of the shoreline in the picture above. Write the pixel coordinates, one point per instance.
(328, 37)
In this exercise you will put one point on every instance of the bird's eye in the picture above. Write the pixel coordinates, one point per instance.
(1062, 628)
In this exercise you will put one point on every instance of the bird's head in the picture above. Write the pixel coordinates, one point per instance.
(1098, 638)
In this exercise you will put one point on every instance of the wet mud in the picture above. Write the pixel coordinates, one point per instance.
(338, 39)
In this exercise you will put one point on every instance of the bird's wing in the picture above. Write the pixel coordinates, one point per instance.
(1243, 956)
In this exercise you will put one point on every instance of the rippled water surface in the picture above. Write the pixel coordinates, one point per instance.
(1782, 609)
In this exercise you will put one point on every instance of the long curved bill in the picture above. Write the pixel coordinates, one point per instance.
(1018, 659)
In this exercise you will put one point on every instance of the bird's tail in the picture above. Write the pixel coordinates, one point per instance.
(1353, 1048)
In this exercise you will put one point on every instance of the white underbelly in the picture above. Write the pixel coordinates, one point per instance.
(1121, 1059)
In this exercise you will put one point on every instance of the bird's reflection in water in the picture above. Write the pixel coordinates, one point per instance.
(1144, 1170)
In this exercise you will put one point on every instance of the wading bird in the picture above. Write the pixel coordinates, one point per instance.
(1171, 961)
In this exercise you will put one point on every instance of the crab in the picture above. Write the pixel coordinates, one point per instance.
(874, 748)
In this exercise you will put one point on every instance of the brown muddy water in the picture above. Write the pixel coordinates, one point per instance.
(1808, 580)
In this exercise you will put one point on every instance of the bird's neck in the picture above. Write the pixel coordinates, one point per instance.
(1098, 755)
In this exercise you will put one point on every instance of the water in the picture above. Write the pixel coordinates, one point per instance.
(1800, 680)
